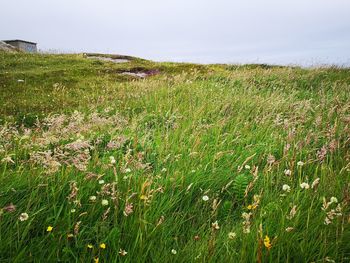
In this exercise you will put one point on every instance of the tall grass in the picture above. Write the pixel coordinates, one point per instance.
(196, 164)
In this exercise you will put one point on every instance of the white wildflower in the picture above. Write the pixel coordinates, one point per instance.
(286, 188)
(112, 159)
(332, 214)
(215, 225)
(289, 229)
(327, 221)
(287, 172)
(104, 202)
(247, 167)
(304, 185)
(300, 163)
(101, 181)
(334, 199)
(122, 252)
(173, 251)
(92, 198)
(23, 217)
(231, 235)
(205, 198)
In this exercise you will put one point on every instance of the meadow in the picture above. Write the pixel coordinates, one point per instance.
(193, 163)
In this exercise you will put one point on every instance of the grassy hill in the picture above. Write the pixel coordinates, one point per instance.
(194, 163)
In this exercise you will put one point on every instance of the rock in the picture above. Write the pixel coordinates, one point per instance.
(7, 48)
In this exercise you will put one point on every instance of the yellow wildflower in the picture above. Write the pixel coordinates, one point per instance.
(143, 197)
(252, 207)
(267, 242)
(49, 229)
(70, 235)
(96, 260)
(103, 246)
(90, 246)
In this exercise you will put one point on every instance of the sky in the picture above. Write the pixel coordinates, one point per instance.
(297, 32)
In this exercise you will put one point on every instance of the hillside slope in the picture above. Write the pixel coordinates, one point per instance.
(216, 163)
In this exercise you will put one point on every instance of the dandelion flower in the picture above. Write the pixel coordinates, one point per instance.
(250, 207)
(286, 188)
(122, 252)
(205, 198)
(49, 229)
(231, 235)
(103, 245)
(23, 217)
(104, 202)
(90, 246)
(267, 242)
(92, 198)
(173, 251)
(304, 185)
(143, 197)
(288, 172)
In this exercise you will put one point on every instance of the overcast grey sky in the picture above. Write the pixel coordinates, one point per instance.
(231, 31)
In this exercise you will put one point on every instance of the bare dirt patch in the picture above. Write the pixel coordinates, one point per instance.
(114, 60)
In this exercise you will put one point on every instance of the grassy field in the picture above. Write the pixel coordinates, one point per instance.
(215, 163)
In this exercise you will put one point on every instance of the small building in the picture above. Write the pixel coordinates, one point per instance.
(22, 45)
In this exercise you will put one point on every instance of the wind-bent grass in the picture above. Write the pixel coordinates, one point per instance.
(197, 163)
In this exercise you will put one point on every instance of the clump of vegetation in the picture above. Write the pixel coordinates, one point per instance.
(199, 163)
